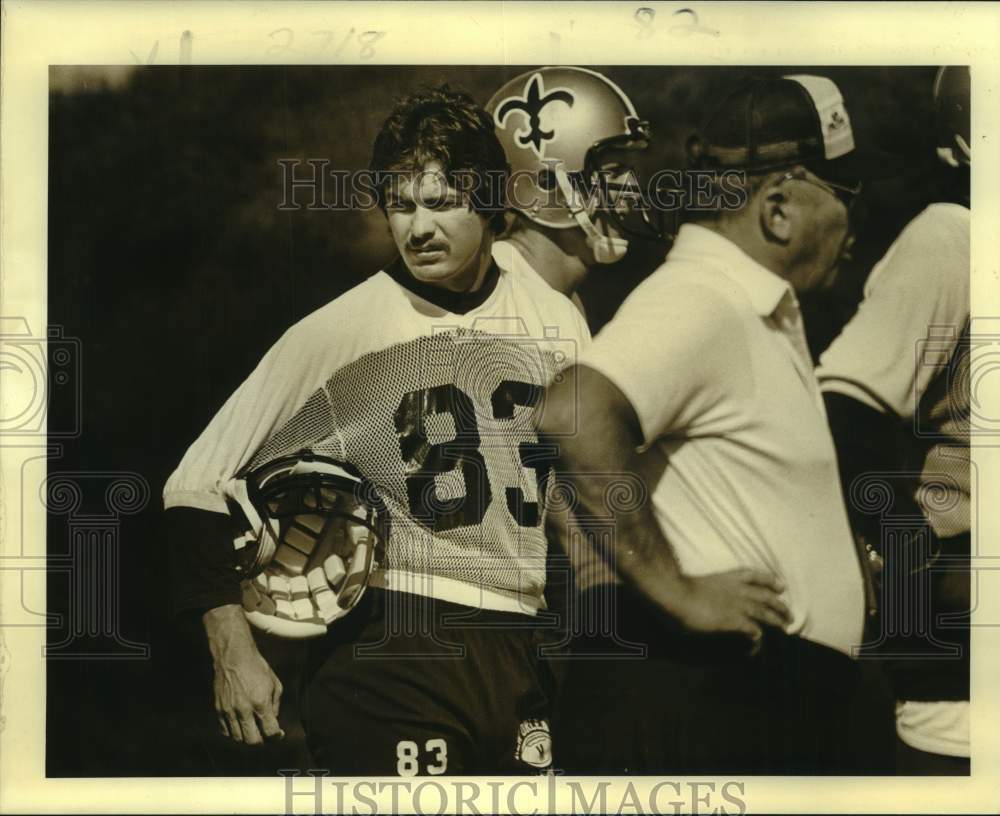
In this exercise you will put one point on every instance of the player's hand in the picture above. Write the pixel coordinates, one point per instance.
(247, 692)
(741, 600)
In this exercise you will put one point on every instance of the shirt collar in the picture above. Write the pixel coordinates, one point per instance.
(764, 289)
(454, 302)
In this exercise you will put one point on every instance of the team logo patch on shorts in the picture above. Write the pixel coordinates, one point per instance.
(534, 743)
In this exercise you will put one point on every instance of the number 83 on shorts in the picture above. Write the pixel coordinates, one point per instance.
(411, 761)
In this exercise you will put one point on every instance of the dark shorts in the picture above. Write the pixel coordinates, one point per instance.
(924, 623)
(701, 704)
(406, 685)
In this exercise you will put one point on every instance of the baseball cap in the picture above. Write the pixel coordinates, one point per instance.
(799, 119)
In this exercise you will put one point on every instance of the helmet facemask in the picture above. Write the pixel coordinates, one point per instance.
(316, 531)
(610, 191)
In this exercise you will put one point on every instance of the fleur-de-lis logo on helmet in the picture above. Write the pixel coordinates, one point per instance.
(557, 124)
(530, 104)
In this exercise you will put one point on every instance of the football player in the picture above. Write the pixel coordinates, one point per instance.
(905, 420)
(571, 136)
(421, 380)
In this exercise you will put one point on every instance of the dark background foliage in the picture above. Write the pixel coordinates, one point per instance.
(171, 262)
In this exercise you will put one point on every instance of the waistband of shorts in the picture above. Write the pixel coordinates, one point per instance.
(454, 616)
(457, 593)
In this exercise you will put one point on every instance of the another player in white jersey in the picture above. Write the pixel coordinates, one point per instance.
(573, 139)
(897, 390)
(571, 136)
(422, 380)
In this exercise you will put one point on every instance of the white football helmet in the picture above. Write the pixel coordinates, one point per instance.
(316, 532)
(554, 123)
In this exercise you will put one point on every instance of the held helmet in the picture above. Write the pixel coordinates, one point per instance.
(315, 530)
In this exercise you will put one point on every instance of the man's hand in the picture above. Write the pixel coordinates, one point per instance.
(247, 692)
(737, 601)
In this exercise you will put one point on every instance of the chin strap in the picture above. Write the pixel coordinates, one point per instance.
(262, 532)
(947, 154)
(606, 249)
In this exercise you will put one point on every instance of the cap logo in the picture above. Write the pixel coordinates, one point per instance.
(530, 105)
(838, 138)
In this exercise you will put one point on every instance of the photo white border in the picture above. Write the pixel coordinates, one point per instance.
(40, 33)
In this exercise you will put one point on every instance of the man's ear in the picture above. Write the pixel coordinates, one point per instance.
(776, 212)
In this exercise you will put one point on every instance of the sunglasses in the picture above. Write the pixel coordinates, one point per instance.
(846, 195)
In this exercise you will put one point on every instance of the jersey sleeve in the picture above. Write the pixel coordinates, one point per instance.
(672, 351)
(918, 292)
(292, 371)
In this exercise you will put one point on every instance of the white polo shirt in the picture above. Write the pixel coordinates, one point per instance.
(740, 464)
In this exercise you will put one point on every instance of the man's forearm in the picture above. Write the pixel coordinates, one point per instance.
(591, 460)
(640, 553)
(227, 629)
(247, 691)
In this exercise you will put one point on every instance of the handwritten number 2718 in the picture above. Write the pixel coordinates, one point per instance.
(284, 40)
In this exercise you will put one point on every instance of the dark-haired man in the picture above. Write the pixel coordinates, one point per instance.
(423, 379)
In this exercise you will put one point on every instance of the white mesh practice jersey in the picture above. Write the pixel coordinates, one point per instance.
(906, 352)
(434, 408)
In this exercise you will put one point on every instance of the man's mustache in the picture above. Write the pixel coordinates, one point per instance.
(427, 246)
